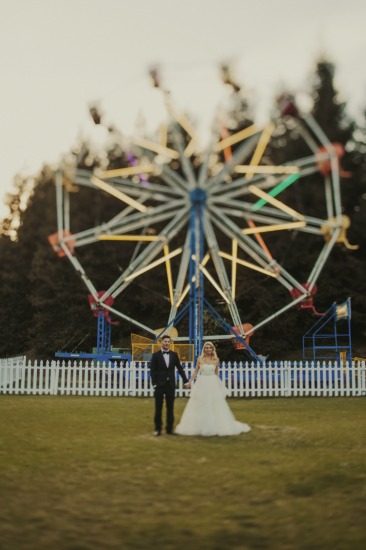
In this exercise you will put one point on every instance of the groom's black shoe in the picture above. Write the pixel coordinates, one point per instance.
(157, 433)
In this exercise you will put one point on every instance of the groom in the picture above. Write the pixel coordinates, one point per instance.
(162, 367)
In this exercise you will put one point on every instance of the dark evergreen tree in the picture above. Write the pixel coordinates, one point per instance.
(328, 110)
(16, 310)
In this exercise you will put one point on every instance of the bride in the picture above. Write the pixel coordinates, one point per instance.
(207, 412)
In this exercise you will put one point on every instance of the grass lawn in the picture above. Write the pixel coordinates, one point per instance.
(86, 473)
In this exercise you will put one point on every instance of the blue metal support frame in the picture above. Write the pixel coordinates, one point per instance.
(196, 292)
(229, 330)
(324, 340)
(104, 350)
(103, 334)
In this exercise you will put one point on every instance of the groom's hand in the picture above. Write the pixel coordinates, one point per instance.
(188, 385)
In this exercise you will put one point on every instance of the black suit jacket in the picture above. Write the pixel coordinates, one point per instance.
(161, 375)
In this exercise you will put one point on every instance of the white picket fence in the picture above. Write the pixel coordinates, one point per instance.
(273, 379)
(7, 367)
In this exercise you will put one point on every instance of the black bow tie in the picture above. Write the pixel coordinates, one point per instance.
(165, 352)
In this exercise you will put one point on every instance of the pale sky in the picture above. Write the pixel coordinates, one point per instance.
(58, 56)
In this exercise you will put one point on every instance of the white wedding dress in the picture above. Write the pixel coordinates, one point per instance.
(207, 412)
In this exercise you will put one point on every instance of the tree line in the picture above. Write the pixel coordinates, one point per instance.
(44, 306)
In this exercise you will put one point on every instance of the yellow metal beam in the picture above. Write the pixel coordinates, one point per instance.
(156, 148)
(118, 194)
(247, 264)
(235, 138)
(154, 264)
(234, 251)
(261, 146)
(168, 272)
(278, 204)
(125, 172)
(142, 238)
(247, 168)
(276, 227)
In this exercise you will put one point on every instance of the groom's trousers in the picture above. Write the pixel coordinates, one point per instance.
(168, 392)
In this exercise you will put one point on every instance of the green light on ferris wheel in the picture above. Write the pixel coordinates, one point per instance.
(277, 190)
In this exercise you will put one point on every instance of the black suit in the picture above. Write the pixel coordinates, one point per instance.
(163, 380)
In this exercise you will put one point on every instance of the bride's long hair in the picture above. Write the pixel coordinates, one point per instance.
(214, 354)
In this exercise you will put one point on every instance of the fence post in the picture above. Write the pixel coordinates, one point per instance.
(362, 377)
(53, 378)
(132, 379)
(286, 380)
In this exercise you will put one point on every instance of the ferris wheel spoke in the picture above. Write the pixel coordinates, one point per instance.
(307, 137)
(165, 259)
(231, 230)
(319, 264)
(185, 162)
(153, 191)
(80, 270)
(128, 210)
(83, 178)
(125, 172)
(265, 169)
(300, 168)
(282, 310)
(117, 193)
(226, 289)
(274, 202)
(281, 219)
(181, 277)
(242, 152)
(204, 169)
(130, 223)
(261, 146)
(156, 148)
(175, 180)
(311, 225)
(149, 253)
(130, 320)
(253, 249)
(240, 186)
(237, 261)
(274, 227)
(59, 203)
(236, 138)
(185, 123)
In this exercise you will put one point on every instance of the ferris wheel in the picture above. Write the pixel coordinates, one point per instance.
(192, 201)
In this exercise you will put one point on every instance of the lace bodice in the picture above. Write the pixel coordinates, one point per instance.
(207, 369)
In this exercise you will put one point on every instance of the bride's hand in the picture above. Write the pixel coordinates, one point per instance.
(187, 386)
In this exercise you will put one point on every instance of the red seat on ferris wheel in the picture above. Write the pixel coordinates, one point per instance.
(95, 306)
(307, 302)
(325, 166)
(54, 240)
(296, 292)
(246, 327)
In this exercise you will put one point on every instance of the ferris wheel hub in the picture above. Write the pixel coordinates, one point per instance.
(198, 196)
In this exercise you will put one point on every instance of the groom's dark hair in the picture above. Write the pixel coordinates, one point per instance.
(165, 336)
